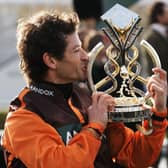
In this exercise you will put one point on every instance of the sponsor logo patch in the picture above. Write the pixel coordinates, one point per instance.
(42, 91)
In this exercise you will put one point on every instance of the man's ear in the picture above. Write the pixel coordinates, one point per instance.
(50, 61)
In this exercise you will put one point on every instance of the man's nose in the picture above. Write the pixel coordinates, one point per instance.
(84, 55)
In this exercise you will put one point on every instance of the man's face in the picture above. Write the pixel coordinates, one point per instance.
(164, 18)
(73, 66)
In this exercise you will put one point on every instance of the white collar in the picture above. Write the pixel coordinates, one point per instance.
(161, 29)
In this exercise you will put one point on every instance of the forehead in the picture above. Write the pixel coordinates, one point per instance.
(73, 41)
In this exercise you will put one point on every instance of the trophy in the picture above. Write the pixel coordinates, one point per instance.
(123, 80)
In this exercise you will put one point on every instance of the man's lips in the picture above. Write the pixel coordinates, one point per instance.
(84, 68)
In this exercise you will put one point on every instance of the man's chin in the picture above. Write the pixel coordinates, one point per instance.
(83, 79)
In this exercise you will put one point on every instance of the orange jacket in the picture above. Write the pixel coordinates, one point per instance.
(134, 150)
(40, 146)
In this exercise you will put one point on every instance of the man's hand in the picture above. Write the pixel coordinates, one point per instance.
(101, 104)
(157, 88)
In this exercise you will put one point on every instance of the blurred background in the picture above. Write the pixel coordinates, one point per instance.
(11, 81)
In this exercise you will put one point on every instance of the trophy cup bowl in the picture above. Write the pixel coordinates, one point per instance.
(122, 67)
(129, 109)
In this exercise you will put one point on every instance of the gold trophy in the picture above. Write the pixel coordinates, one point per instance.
(123, 69)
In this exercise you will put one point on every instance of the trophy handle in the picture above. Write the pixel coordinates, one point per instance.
(111, 76)
(152, 53)
(155, 58)
(92, 56)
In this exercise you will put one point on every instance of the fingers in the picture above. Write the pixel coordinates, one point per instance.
(154, 82)
(110, 108)
(96, 96)
(154, 88)
(101, 104)
(157, 88)
(106, 99)
(103, 99)
(161, 72)
(159, 94)
(157, 81)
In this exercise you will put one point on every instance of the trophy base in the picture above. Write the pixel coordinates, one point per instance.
(127, 114)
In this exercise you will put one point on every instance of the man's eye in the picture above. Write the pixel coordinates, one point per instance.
(77, 50)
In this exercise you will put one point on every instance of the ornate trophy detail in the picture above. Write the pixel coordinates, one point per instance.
(122, 67)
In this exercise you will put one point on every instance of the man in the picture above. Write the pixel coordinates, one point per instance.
(157, 35)
(53, 123)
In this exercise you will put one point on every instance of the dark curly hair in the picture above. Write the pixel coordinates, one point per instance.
(43, 32)
(156, 10)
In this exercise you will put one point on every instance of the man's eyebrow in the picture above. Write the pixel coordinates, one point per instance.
(76, 46)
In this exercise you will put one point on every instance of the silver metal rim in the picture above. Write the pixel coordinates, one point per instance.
(126, 115)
